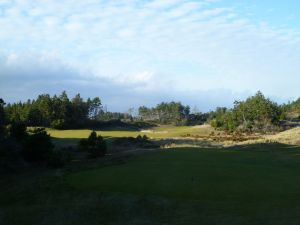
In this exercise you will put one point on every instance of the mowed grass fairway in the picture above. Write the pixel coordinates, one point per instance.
(249, 185)
(232, 176)
(71, 137)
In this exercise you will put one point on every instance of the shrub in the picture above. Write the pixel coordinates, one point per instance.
(140, 138)
(38, 146)
(139, 141)
(94, 145)
(145, 137)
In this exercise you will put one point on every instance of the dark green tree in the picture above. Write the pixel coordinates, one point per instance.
(94, 107)
(256, 113)
(38, 146)
(18, 130)
(2, 117)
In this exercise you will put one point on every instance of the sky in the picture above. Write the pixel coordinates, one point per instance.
(204, 53)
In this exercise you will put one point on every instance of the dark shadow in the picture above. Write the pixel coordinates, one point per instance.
(266, 147)
(65, 142)
(283, 150)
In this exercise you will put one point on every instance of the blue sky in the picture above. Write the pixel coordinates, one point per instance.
(202, 52)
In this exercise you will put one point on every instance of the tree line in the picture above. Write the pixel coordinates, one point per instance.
(57, 111)
(62, 112)
(256, 113)
(171, 113)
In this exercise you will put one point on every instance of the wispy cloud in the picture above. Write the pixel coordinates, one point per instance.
(144, 47)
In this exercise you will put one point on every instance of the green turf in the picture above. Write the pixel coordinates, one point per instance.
(204, 175)
(252, 185)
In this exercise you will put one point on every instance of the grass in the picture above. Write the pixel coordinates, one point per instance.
(291, 136)
(71, 137)
(204, 175)
(249, 185)
(178, 131)
(156, 132)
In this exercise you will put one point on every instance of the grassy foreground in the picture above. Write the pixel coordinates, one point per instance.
(247, 185)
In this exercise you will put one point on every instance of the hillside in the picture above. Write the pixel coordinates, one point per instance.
(291, 136)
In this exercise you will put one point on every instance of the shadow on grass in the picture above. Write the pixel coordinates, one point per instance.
(65, 142)
(114, 144)
(266, 147)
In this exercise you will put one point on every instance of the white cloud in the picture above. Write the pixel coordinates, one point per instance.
(190, 45)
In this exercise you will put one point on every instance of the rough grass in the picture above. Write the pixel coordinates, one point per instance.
(291, 136)
(249, 185)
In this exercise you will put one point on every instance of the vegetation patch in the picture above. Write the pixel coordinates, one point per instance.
(94, 145)
(137, 142)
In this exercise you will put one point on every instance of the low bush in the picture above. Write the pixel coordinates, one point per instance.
(94, 145)
(139, 141)
(38, 146)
